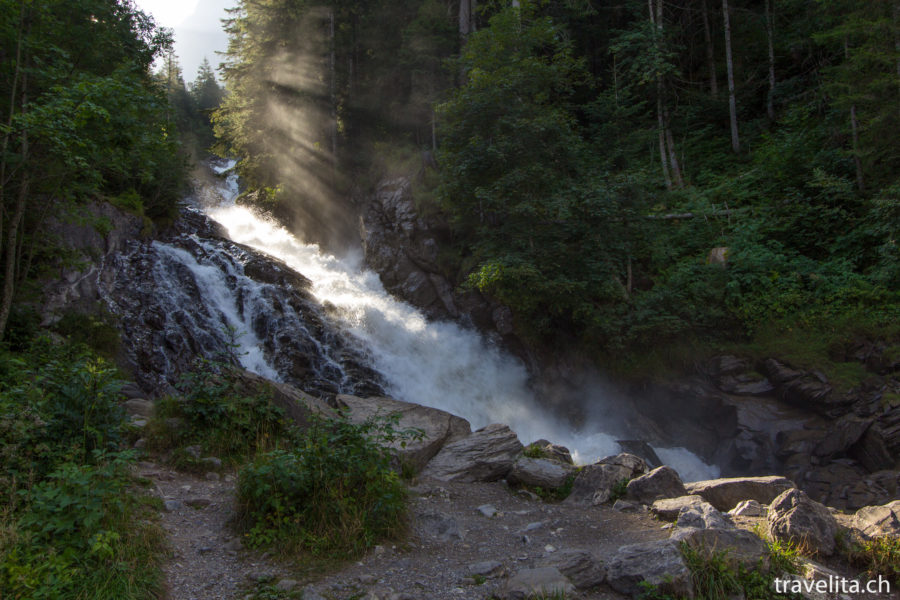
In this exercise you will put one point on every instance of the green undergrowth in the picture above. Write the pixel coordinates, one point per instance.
(879, 556)
(333, 495)
(74, 522)
(222, 414)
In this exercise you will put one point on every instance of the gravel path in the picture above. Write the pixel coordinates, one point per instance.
(207, 561)
(449, 534)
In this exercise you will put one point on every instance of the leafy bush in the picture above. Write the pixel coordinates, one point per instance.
(72, 526)
(222, 414)
(59, 403)
(336, 494)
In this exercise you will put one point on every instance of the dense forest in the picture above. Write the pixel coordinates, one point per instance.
(625, 176)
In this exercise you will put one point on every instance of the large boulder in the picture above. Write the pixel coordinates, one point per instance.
(668, 509)
(485, 455)
(539, 472)
(661, 482)
(540, 582)
(438, 427)
(875, 521)
(581, 567)
(726, 493)
(658, 563)
(739, 546)
(595, 483)
(795, 518)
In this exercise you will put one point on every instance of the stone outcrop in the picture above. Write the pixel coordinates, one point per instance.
(595, 483)
(725, 493)
(402, 247)
(795, 518)
(875, 521)
(437, 427)
(657, 563)
(668, 509)
(661, 482)
(539, 472)
(485, 455)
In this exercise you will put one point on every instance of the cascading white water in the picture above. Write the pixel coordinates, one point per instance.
(437, 364)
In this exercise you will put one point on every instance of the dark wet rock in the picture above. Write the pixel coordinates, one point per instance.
(539, 472)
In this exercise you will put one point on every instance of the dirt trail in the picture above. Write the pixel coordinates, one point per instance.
(449, 533)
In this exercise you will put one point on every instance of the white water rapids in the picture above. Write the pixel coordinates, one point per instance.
(437, 364)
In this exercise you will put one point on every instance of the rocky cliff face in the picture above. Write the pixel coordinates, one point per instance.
(402, 247)
(191, 293)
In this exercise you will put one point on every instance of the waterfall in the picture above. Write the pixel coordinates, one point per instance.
(433, 363)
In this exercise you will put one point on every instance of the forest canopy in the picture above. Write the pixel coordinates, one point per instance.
(621, 175)
(82, 121)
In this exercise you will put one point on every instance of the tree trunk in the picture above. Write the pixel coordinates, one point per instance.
(732, 103)
(673, 155)
(710, 52)
(663, 154)
(897, 40)
(770, 34)
(333, 93)
(854, 132)
(465, 19)
(663, 157)
(12, 239)
(854, 128)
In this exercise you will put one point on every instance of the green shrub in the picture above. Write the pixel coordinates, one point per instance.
(335, 495)
(59, 403)
(72, 525)
(222, 415)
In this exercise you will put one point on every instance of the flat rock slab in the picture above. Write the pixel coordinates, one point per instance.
(540, 472)
(668, 509)
(541, 582)
(485, 455)
(874, 521)
(726, 493)
(437, 426)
